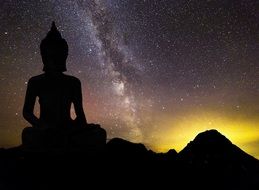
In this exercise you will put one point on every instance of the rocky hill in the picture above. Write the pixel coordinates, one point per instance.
(210, 161)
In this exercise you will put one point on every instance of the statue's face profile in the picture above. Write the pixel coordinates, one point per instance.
(54, 51)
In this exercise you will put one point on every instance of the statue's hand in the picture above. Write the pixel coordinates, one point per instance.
(44, 125)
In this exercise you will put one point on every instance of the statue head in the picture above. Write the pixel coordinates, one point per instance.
(54, 51)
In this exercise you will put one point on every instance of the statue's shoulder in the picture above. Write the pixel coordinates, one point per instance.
(71, 79)
(36, 79)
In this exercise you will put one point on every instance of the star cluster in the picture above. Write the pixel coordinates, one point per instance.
(156, 72)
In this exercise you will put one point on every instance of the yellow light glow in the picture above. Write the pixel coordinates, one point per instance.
(179, 132)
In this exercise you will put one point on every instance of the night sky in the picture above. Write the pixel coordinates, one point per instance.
(156, 72)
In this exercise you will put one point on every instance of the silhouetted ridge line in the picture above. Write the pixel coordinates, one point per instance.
(210, 161)
(211, 142)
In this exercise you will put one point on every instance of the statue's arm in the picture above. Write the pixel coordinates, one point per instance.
(78, 105)
(29, 103)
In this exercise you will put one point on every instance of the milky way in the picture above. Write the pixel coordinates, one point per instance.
(116, 61)
(156, 72)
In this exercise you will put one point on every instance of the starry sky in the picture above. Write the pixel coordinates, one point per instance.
(156, 72)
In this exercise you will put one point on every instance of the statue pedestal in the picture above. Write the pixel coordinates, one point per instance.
(90, 137)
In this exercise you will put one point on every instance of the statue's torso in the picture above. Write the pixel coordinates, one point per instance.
(56, 94)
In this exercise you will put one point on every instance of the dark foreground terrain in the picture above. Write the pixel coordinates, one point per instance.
(210, 161)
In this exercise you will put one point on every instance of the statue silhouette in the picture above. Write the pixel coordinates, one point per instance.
(56, 92)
